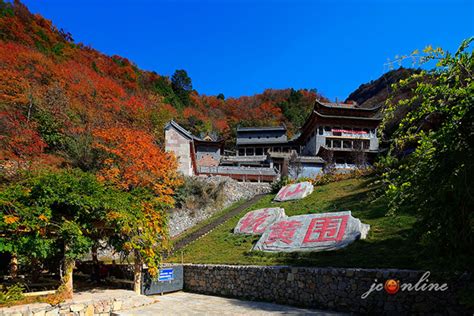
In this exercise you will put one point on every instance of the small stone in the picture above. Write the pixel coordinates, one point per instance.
(53, 312)
(89, 310)
(76, 307)
(117, 306)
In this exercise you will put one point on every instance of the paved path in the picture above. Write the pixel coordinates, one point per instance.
(218, 221)
(183, 303)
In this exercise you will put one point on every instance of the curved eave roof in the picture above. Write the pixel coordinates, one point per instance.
(346, 107)
(360, 118)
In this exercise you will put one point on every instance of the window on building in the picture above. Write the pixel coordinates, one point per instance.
(259, 151)
(241, 152)
(336, 143)
(249, 151)
(346, 144)
(277, 149)
(366, 144)
(328, 143)
(321, 130)
(327, 128)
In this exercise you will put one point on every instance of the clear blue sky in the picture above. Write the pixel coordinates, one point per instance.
(242, 47)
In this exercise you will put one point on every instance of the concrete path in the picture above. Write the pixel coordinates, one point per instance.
(216, 222)
(182, 303)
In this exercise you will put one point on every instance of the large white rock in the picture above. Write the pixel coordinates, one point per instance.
(256, 222)
(312, 232)
(294, 191)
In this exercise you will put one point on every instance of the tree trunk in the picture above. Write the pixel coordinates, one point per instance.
(137, 275)
(66, 279)
(95, 277)
(14, 266)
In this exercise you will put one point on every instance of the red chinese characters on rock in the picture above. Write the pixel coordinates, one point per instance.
(324, 229)
(287, 192)
(294, 191)
(283, 231)
(312, 232)
(252, 222)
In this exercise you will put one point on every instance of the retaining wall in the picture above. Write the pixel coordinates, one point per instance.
(328, 288)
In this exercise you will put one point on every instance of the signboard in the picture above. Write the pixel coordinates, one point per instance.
(170, 279)
(294, 191)
(166, 275)
(312, 232)
(346, 131)
(256, 222)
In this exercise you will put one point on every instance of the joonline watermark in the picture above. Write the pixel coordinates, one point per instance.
(392, 286)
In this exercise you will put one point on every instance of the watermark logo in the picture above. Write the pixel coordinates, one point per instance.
(392, 286)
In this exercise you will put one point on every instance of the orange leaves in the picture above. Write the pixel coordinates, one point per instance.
(134, 161)
(193, 112)
(43, 218)
(10, 219)
(13, 87)
(22, 142)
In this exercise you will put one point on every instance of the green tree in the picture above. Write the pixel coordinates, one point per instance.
(182, 85)
(68, 212)
(430, 163)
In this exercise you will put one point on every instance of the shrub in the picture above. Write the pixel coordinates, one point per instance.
(277, 185)
(11, 294)
(196, 193)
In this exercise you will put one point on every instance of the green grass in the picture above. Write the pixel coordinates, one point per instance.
(389, 243)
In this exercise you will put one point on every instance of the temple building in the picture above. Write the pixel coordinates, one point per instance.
(340, 132)
(340, 135)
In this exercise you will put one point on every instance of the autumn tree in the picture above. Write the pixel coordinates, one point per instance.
(134, 163)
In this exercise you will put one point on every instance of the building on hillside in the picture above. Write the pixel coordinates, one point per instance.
(181, 142)
(344, 134)
(204, 156)
(258, 141)
(341, 135)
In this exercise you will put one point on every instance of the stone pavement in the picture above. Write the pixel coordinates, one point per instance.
(183, 303)
(87, 303)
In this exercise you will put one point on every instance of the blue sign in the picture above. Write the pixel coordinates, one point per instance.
(166, 275)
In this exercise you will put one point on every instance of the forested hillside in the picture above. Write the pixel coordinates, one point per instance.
(56, 92)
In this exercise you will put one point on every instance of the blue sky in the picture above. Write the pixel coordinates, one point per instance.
(243, 47)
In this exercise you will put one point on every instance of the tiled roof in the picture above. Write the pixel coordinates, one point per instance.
(262, 128)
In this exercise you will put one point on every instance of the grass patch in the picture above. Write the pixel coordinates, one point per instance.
(390, 243)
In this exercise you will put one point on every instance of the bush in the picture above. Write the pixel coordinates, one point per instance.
(196, 193)
(326, 178)
(277, 185)
(11, 294)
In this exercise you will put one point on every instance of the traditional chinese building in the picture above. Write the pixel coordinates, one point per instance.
(258, 141)
(340, 134)
(204, 156)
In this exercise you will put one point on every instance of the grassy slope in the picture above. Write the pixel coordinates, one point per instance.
(388, 245)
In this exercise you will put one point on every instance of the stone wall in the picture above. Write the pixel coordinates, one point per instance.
(99, 303)
(327, 288)
(180, 146)
(232, 191)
